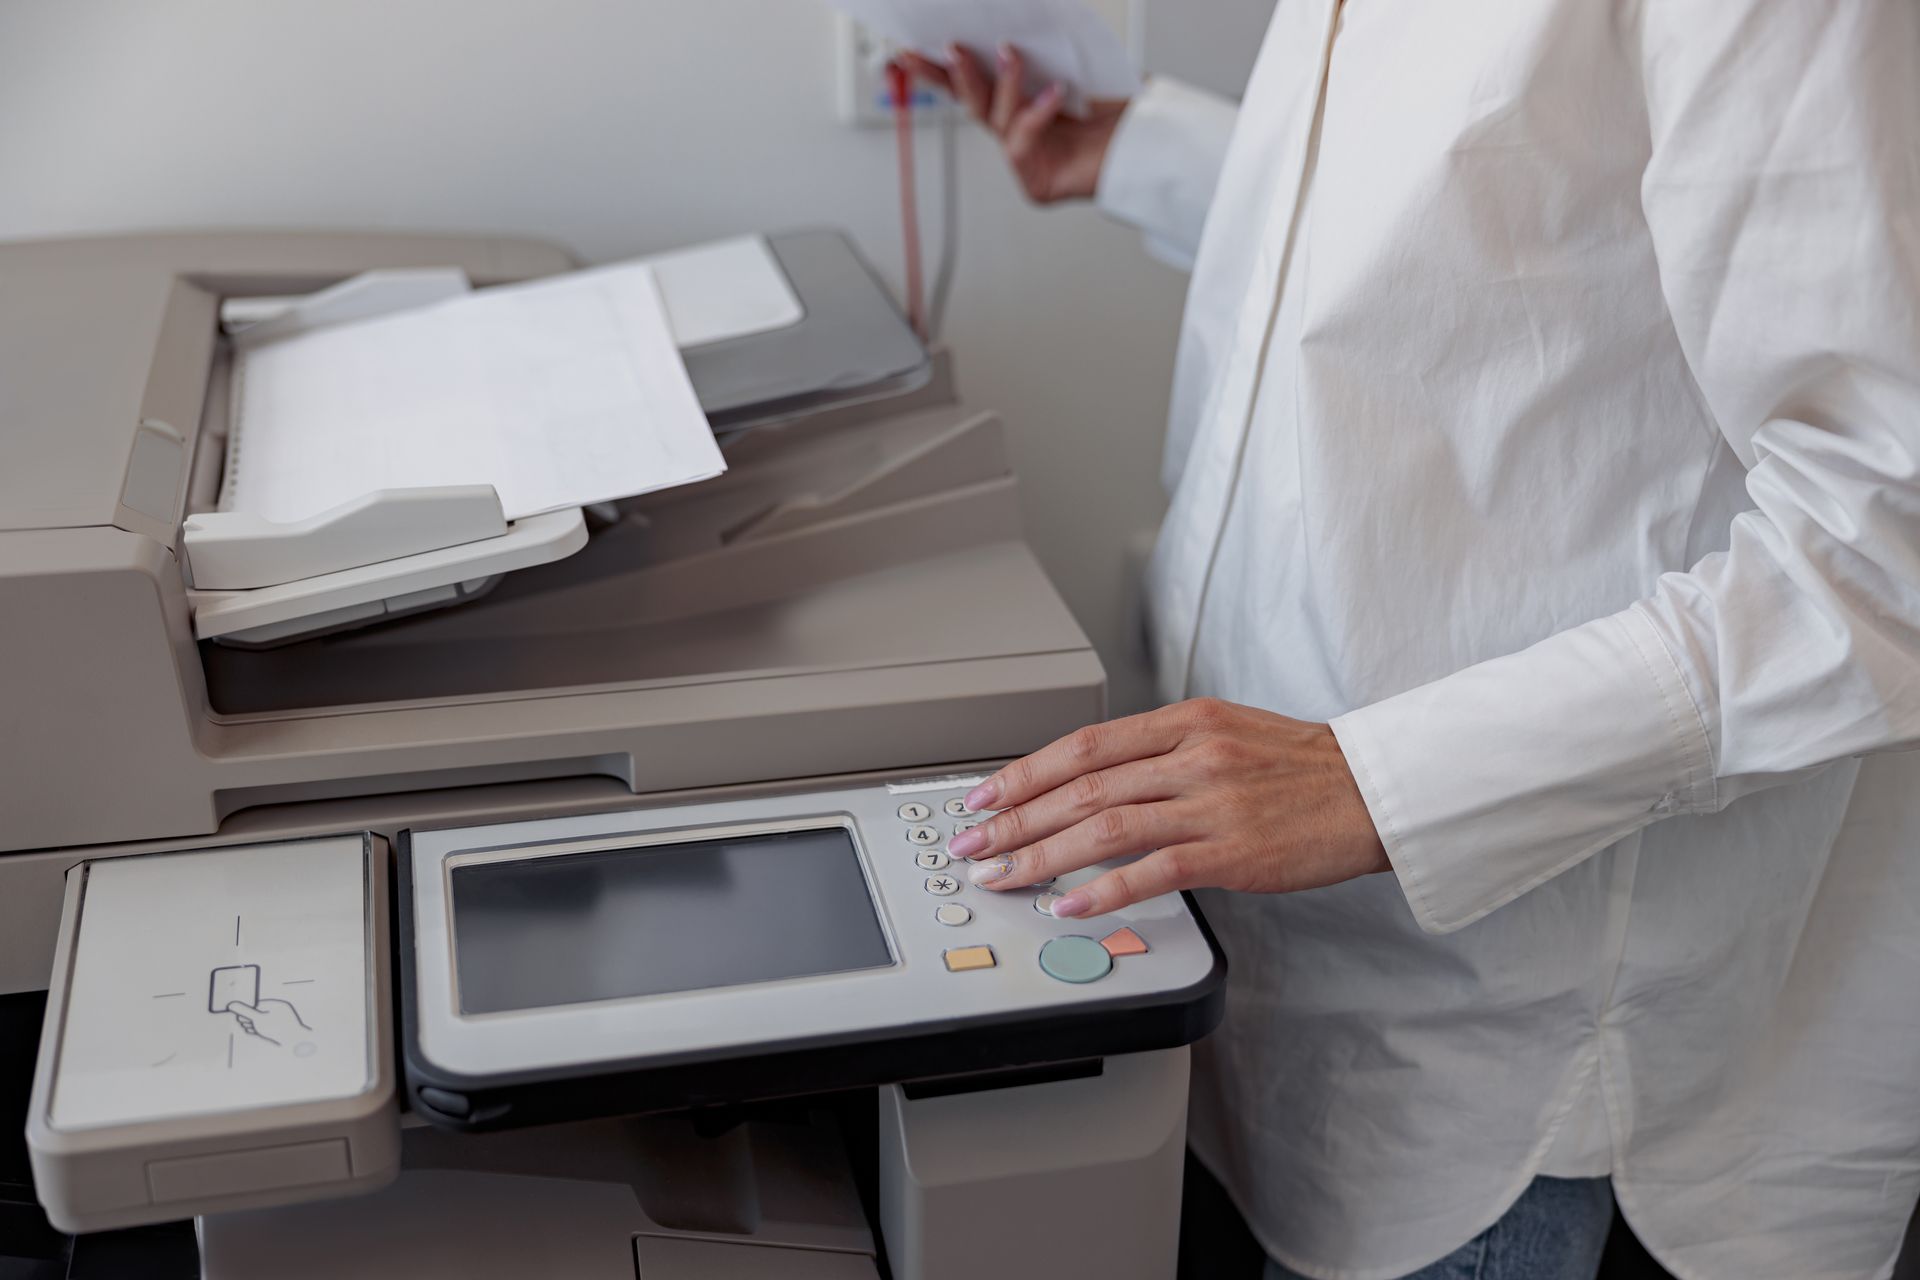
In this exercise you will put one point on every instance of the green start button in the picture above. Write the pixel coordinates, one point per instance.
(1075, 958)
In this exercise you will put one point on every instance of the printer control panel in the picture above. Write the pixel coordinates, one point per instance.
(825, 922)
(931, 823)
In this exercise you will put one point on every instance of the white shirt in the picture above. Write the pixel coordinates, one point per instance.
(1548, 418)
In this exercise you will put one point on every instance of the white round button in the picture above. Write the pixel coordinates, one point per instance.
(953, 914)
(1044, 903)
(914, 811)
(932, 860)
(942, 886)
(923, 835)
(958, 827)
(957, 808)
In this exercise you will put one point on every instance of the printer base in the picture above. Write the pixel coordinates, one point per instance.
(969, 1184)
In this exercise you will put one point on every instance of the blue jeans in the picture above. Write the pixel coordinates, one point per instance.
(1556, 1230)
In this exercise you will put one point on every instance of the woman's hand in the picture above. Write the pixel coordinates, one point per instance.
(1225, 796)
(1055, 157)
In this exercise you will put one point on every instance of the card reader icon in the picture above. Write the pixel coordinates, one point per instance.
(233, 984)
(235, 989)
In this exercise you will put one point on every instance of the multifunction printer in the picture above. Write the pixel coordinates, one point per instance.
(417, 893)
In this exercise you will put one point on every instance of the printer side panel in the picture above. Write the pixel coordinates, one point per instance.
(100, 703)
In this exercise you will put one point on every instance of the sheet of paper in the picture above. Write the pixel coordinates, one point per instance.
(1062, 40)
(726, 289)
(558, 393)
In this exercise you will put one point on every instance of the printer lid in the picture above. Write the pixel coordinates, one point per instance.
(105, 345)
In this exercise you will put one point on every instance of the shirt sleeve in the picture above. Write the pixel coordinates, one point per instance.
(1164, 163)
(1783, 197)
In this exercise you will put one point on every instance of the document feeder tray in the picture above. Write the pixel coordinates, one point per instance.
(397, 552)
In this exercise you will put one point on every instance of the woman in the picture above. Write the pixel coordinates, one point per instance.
(1543, 558)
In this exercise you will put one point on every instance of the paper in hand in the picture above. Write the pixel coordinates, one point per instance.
(1061, 40)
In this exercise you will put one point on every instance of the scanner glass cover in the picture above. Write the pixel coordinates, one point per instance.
(652, 919)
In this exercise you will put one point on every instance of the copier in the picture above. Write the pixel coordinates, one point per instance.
(559, 902)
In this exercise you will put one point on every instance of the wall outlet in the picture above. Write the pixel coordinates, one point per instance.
(865, 99)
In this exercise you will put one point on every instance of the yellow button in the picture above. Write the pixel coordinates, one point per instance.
(961, 959)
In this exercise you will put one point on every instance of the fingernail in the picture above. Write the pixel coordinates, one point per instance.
(1006, 55)
(992, 869)
(968, 843)
(954, 53)
(984, 796)
(1053, 92)
(1074, 904)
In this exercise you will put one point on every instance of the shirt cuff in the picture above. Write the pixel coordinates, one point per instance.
(1494, 780)
(1164, 163)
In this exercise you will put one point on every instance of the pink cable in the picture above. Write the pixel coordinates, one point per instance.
(900, 87)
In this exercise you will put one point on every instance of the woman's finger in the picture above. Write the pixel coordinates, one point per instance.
(1163, 871)
(925, 69)
(1111, 833)
(1098, 746)
(1008, 91)
(1032, 121)
(970, 82)
(1134, 782)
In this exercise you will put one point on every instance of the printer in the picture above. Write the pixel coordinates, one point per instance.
(451, 897)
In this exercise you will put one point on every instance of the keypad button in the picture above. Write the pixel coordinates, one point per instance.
(965, 959)
(923, 835)
(956, 808)
(958, 827)
(932, 860)
(953, 914)
(1124, 942)
(914, 811)
(1075, 958)
(943, 886)
(1044, 903)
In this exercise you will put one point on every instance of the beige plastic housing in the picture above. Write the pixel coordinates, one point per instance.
(853, 597)
(101, 1176)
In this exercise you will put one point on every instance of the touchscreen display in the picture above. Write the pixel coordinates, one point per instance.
(652, 919)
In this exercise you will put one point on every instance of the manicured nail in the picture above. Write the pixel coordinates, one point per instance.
(1006, 55)
(984, 796)
(1052, 93)
(968, 843)
(1074, 904)
(954, 54)
(992, 869)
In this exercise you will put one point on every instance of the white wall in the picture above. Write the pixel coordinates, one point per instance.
(615, 127)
